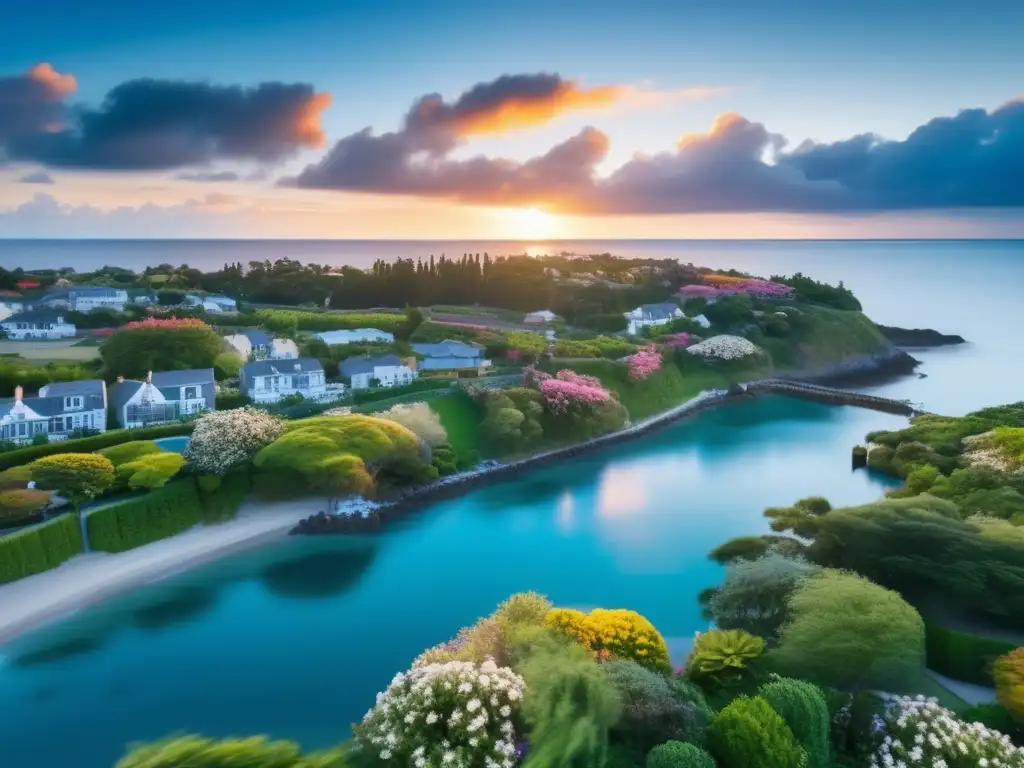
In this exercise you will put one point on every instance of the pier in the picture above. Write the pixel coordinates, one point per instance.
(832, 395)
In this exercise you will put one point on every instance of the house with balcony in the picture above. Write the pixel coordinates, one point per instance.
(260, 341)
(162, 397)
(58, 410)
(86, 298)
(450, 355)
(267, 381)
(37, 323)
(651, 315)
(365, 371)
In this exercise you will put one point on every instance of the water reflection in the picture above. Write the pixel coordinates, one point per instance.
(184, 605)
(66, 649)
(320, 574)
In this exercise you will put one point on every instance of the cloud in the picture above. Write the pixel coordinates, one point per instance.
(974, 159)
(209, 176)
(155, 124)
(36, 178)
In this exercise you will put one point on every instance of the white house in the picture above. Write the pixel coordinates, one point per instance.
(37, 324)
(87, 298)
(57, 411)
(261, 341)
(540, 316)
(651, 314)
(223, 303)
(384, 371)
(267, 381)
(162, 397)
(450, 355)
(354, 336)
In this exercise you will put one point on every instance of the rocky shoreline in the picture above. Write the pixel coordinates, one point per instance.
(362, 516)
(919, 338)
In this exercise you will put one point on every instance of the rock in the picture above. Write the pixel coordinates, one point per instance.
(919, 337)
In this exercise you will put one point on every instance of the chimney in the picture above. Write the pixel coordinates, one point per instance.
(120, 379)
(18, 393)
(149, 377)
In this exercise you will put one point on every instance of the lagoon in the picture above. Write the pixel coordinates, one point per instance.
(295, 639)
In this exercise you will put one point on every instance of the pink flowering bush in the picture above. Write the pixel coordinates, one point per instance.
(568, 389)
(678, 340)
(765, 289)
(170, 322)
(644, 363)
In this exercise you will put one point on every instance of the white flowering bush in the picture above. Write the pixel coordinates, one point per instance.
(420, 419)
(921, 734)
(452, 715)
(222, 440)
(725, 347)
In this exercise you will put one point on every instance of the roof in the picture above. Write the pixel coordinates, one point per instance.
(257, 337)
(447, 348)
(366, 364)
(353, 334)
(661, 310)
(85, 290)
(220, 299)
(35, 315)
(122, 392)
(281, 367)
(73, 388)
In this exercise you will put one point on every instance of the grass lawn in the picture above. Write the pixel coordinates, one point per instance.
(461, 418)
(64, 350)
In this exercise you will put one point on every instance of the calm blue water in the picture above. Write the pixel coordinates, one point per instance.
(296, 639)
(176, 444)
(971, 287)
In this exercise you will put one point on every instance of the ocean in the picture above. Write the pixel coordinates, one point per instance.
(974, 288)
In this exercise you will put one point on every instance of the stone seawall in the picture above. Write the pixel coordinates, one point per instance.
(362, 516)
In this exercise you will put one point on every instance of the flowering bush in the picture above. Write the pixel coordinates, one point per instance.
(452, 714)
(568, 389)
(420, 419)
(222, 440)
(623, 634)
(921, 734)
(725, 347)
(644, 363)
(1008, 672)
(169, 322)
(678, 340)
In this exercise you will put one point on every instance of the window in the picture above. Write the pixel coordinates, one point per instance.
(69, 423)
(300, 382)
(191, 393)
(22, 429)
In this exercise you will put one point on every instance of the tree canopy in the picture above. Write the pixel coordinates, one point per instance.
(160, 345)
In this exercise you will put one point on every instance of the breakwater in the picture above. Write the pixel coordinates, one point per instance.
(832, 395)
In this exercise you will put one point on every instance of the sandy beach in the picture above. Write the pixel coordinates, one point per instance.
(91, 578)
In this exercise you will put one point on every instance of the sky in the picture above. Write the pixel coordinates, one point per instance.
(525, 120)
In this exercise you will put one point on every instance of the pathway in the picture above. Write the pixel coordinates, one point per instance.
(972, 694)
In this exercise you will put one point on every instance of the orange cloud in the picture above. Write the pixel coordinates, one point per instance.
(527, 112)
(308, 131)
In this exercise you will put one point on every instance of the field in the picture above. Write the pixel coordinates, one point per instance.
(64, 350)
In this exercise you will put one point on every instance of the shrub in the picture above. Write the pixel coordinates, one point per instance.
(944, 738)
(221, 503)
(679, 754)
(622, 633)
(40, 548)
(224, 440)
(804, 709)
(574, 736)
(201, 752)
(330, 321)
(962, 656)
(131, 523)
(755, 594)
(419, 419)
(723, 654)
(847, 632)
(30, 453)
(652, 712)
(523, 608)
(130, 451)
(226, 365)
(76, 477)
(229, 399)
(150, 471)
(995, 717)
(467, 709)
(17, 504)
(748, 732)
(160, 345)
(1008, 673)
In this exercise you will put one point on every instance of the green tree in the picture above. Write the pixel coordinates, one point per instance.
(849, 633)
(749, 733)
(679, 754)
(77, 477)
(160, 345)
(805, 711)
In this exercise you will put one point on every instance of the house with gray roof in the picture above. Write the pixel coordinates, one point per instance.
(449, 355)
(651, 314)
(37, 323)
(364, 371)
(261, 341)
(162, 397)
(57, 411)
(86, 298)
(267, 381)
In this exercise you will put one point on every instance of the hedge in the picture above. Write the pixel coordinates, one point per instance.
(963, 656)
(222, 502)
(39, 549)
(107, 439)
(160, 513)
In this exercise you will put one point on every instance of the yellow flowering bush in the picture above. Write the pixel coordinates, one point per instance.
(616, 632)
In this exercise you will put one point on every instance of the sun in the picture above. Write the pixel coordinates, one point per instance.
(534, 224)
